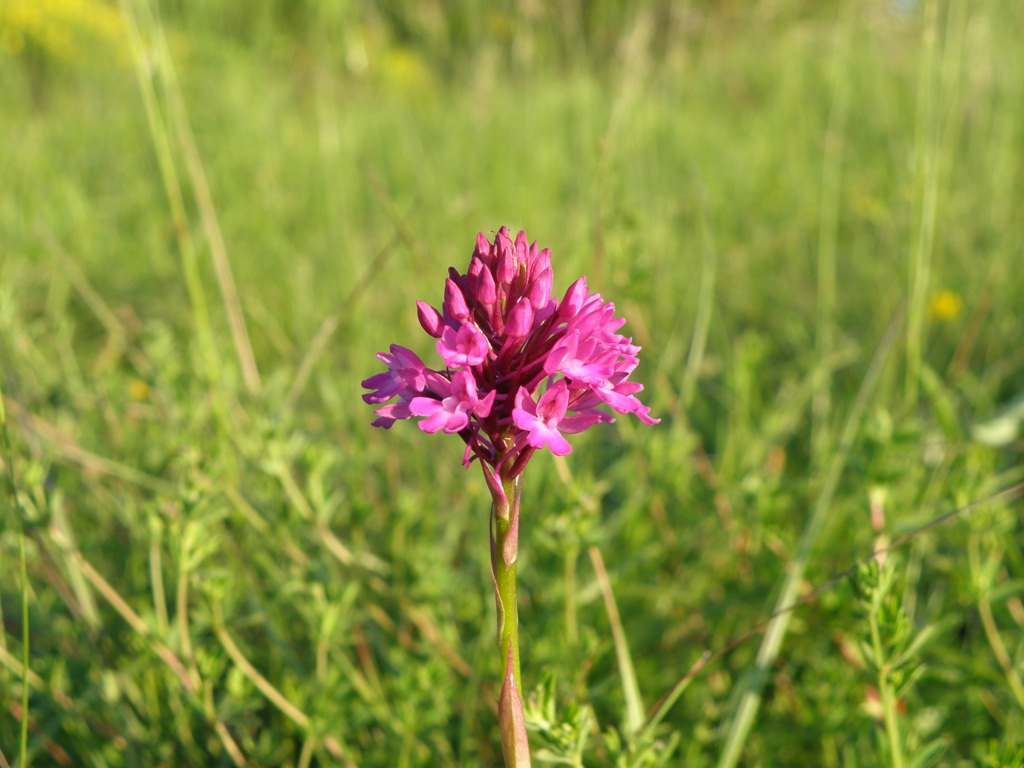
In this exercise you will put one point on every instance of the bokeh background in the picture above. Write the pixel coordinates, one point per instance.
(214, 214)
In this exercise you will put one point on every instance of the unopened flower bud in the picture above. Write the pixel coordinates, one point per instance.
(455, 302)
(573, 299)
(520, 321)
(540, 288)
(506, 268)
(430, 319)
(486, 291)
(483, 247)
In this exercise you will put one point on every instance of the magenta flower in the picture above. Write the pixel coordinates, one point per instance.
(520, 370)
(452, 412)
(464, 347)
(543, 423)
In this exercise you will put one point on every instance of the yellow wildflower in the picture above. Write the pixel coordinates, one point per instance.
(138, 390)
(945, 305)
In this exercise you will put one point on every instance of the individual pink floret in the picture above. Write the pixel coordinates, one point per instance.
(466, 346)
(545, 421)
(452, 413)
(404, 374)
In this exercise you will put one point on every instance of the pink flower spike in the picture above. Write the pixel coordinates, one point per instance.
(466, 346)
(518, 369)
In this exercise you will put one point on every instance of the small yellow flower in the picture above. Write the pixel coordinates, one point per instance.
(404, 69)
(945, 305)
(138, 390)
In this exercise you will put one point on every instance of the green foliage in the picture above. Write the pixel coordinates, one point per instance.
(226, 571)
(1004, 756)
(892, 650)
(557, 738)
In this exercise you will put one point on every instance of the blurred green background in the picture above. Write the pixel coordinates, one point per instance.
(214, 214)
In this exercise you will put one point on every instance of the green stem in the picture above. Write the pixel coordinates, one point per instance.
(505, 491)
(504, 559)
(886, 693)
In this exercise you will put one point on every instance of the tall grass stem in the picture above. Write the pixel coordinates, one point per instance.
(934, 141)
(634, 717)
(705, 302)
(143, 57)
(182, 131)
(828, 229)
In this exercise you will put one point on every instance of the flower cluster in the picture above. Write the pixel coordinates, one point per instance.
(521, 369)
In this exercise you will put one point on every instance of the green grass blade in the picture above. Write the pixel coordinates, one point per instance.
(633, 719)
(750, 697)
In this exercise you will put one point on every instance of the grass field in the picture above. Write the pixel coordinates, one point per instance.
(211, 220)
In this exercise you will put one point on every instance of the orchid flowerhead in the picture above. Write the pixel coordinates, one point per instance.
(520, 369)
